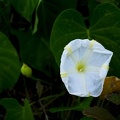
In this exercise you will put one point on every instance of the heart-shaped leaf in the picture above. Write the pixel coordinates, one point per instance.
(9, 63)
(15, 111)
(104, 28)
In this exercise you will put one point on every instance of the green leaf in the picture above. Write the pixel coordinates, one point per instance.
(98, 113)
(25, 7)
(105, 29)
(27, 112)
(9, 63)
(102, 10)
(114, 97)
(15, 111)
(79, 107)
(69, 25)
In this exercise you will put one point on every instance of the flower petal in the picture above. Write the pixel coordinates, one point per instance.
(76, 85)
(98, 59)
(65, 66)
(94, 83)
(104, 68)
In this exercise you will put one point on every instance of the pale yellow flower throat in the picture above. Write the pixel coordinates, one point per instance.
(80, 67)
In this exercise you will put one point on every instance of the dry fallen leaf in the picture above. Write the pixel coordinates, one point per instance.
(112, 84)
(98, 113)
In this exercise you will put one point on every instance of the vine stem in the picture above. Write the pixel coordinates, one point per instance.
(46, 116)
(88, 33)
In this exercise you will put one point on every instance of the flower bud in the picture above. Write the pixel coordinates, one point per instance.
(26, 70)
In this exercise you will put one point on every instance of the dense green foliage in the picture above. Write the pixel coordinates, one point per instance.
(35, 32)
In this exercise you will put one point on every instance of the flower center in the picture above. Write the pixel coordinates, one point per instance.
(80, 67)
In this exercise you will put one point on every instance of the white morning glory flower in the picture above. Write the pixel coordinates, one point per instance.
(84, 66)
